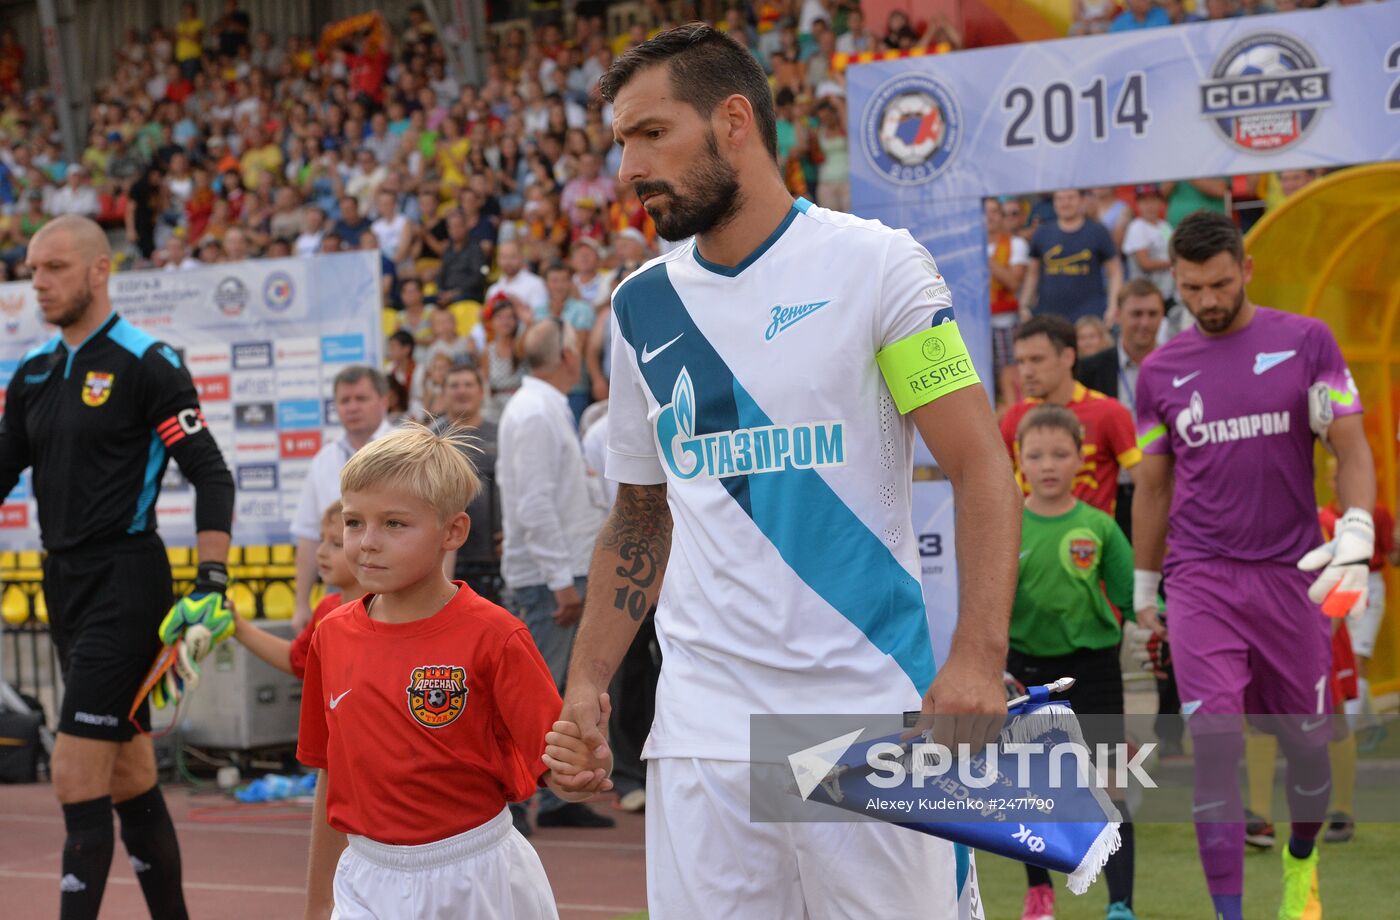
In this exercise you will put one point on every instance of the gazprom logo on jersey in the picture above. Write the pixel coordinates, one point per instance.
(1197, 431)
(1266, 90)
(720, 454)
(911, 129)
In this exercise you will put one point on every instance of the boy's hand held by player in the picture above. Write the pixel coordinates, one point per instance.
(576, 771)
(1345, 563)
(577, 751)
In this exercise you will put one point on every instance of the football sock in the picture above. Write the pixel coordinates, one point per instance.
(149, 836)
(87, 857)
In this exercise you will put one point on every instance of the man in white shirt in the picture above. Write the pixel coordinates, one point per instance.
(361, 402)
(75, 197)
(313, 231)
(857, 39)
(391, 228)
(525, 289)
(1145, 243)
(551, 509)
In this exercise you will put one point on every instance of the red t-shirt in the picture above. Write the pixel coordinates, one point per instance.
(301, 645)
(1110, 444)
(1385, 531)
(425, 729)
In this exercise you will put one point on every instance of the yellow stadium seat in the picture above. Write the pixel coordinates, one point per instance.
(28, 559)
(8, 560)
(179, 555)
(284, 554)
(255, 555)
(235, 555)
(318, 594)
(241, 596)
(14, 608)
(467, 313)
(389, 321)
(278, 601)
(41, 608)
(426, 266)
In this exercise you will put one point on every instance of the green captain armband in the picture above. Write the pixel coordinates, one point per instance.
(925, 366)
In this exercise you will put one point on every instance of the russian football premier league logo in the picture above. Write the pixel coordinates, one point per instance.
(911, 129)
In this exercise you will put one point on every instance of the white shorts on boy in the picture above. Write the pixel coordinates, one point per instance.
(486, 873)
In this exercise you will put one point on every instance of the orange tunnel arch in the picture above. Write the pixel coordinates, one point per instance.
(1332, 250)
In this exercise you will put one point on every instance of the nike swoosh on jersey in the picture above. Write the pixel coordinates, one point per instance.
(1182, 381)
(1268, 360)
(335, 700)
(647, 354)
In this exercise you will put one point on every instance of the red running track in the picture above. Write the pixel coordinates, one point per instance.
(249, 861)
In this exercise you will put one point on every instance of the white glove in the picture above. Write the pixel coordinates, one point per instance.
(1345, 561)
(1135, 639)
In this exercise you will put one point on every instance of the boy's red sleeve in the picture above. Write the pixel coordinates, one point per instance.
(312, 733)
(529, 705)
(301, 645)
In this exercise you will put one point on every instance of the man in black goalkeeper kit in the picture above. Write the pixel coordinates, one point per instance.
(97, 412)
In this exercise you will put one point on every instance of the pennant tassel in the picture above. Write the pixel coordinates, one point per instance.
(1105, 845)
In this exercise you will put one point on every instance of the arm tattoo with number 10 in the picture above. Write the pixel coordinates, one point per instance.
(638, 533)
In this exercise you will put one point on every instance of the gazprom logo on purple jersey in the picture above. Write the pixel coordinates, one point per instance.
(1197, 431)
(719, 454)
(342, 349)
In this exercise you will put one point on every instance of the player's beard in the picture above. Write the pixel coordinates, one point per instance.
(711, 200)
(1217, 322)
(76, 308)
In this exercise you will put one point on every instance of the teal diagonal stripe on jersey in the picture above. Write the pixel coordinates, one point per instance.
(819, 537)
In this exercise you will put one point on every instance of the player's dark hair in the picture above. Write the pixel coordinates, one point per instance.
(1057, 329)
(1141, 287)
(1203, 234)
(1051, 418)
(706, 67)
(357, 372)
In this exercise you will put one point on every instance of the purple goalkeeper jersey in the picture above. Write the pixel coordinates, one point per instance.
(1232, 412)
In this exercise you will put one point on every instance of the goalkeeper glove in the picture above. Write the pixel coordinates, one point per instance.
(1345, 562)
(202, 620)
(168, 690)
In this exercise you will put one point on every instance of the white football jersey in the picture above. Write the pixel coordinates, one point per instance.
(753, 393)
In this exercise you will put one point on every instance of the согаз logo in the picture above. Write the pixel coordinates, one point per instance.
(1265, 92)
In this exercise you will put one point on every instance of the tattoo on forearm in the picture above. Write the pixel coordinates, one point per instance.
(639, 532)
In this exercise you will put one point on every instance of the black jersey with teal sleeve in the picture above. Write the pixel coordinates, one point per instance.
(99, 423)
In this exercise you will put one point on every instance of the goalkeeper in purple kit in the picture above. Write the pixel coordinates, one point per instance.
(1227, 415)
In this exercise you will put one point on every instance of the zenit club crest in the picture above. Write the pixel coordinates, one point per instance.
(1265, 92)
(911, 129)
(97, 388)
(437, 694)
